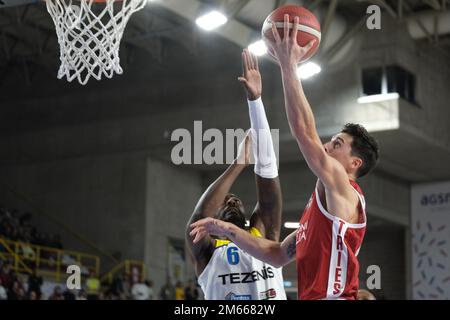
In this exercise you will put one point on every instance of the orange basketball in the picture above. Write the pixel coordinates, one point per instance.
(308, 29)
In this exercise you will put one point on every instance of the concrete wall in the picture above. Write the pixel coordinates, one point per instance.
(171, 195)
(100, 198)
(393, 45)
(384, 245)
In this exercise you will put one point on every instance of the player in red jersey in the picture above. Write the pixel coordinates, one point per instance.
(332, 226)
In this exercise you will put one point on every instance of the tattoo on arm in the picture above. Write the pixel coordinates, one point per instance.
(291, 249)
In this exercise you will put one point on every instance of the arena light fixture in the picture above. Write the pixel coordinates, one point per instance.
(211, 20)
(287, 283)
(291, 225)
(379, 97)
(258, 48)
(308, 70)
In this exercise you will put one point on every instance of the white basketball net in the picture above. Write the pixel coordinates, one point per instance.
(89, 36)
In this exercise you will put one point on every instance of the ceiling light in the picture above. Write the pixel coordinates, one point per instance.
(211, 20)
(258, 48)
(291, 225)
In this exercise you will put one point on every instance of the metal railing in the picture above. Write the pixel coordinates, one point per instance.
(131, 268)
(47, 261)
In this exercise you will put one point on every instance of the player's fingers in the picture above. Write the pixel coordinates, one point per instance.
(249, 60)
(286, 27)
(193, 231)
(197, 224)
(295, 28)
(198, 231)
(244, 62)
(194, 224)
(275, 33)
(243, 81)
(198, 237)
(256, 62)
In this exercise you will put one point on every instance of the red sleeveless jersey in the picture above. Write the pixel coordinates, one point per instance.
(327, 249)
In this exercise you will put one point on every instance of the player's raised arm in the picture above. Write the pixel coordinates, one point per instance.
(213, 199)
(300, 116)
(275, 253)
(266, 216)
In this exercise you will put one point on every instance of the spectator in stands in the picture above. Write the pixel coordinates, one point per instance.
(92, 286)
(191, 291)
(34, 284)
(82, 295)
(6, 275)
(27, 250)
(16, 292)
(151, 293)
(21, 294)
(57, 294)
(117, 285)
(179, 291)
(69, 295)
(32, 295)
(142, 291)
(3, 293)
(167, 290)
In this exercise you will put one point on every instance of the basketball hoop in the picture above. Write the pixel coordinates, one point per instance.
(89, 34)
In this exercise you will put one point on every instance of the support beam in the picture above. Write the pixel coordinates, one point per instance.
(433, 4)
(386, 6)
(417, 20)
(233, 30)
(328, 18)
(235, 11)
(436, 28)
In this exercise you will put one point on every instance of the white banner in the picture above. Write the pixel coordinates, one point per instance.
(430, 229)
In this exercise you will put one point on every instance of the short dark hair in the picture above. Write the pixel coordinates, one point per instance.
(363, 146)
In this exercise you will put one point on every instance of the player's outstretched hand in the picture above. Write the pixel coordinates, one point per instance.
(251, 77)
(208, 226)
(287, 50)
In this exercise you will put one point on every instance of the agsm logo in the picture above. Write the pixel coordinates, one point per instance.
(435, 199)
